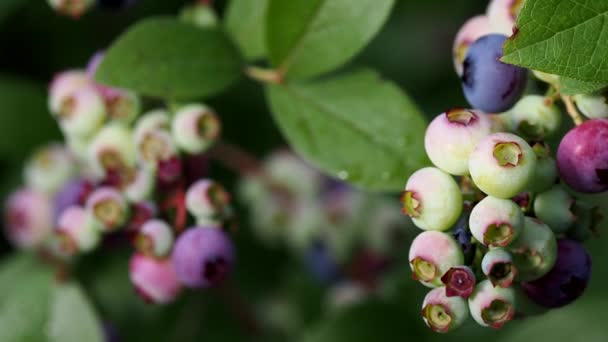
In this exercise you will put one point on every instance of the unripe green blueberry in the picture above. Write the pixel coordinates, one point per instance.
(195, 127)
(502, 14)
(112, 149)
(154, 120)
(593, 106)
(442, 313)
(492, 306)
(497, 265)
(535, 251)
(72, 8)
(545, 173)
(76, 231)
(535, 117)
(290, 173)
(473, 29)
(502, 165)
(49, 168)
(588, 217)
(554, 207)
(79, 147)
(431, 255)
(108, 208)
(304, 225)
(140, 185)
(451, 137)
(207, 200)
(155, 147)
(123, 105)
(65, 84)
(201, 15)
(81, 112)
(155, 238)
(432, 199)
(496, 222)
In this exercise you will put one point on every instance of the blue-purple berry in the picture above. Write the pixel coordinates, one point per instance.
(568, 279)
(203, 257)
(489, 84)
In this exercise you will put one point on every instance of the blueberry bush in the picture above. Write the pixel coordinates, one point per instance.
(271, 170)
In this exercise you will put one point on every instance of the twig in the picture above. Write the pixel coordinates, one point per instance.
(235, 158)
(264, 75)
(571, 109)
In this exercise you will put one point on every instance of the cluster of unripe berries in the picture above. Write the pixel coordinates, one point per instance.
(340, 234)
(124, 173)
(504, 241)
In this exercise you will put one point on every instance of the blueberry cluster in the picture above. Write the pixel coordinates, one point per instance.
(342, 235)
(139, 176)
(77, 8)
(502, 240)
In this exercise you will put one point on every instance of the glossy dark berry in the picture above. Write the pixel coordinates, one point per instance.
(463, 236)
(203, 256)
(566, 281)
(582, 159)
(490, 85)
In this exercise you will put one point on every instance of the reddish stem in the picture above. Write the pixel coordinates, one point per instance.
(177, 200)
(235, 158)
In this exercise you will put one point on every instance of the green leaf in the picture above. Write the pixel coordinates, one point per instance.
(245, 22)
(162, 57)
(308, 37)
(357, 127)
(72, 319)
(570, 86)
(562, 37)
(25, 122)
(24, 300)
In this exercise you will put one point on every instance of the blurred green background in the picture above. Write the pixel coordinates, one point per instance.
(413, 49)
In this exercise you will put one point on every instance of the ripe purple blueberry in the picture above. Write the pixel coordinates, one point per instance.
(502, 165)
(452, 136)
(496, 222)
(431, 255)
(28, 218)
(490, 85)
(442, 313)
(498, 266)
(321, 263)
(459, 281)
(568, 279)
(472, 30)
(154, 239)
(154, 280)
(492, 306)
(535, 251)
(73, 193)
(432, 199)
(581, 159)
(203, 257)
